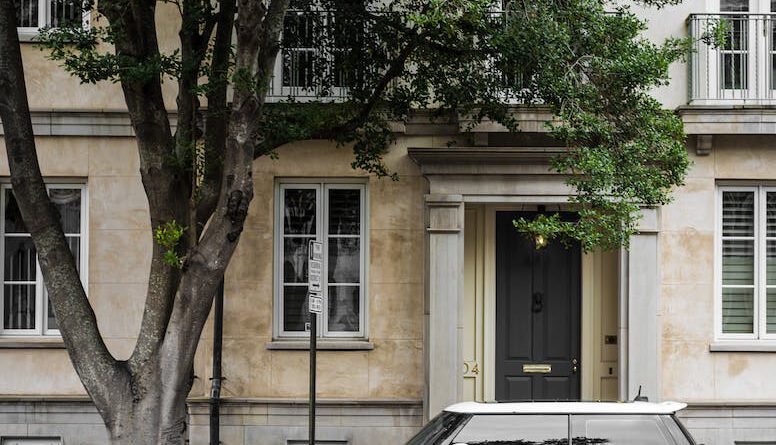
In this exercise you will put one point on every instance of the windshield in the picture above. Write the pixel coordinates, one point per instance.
(515, 430)
(440, 429)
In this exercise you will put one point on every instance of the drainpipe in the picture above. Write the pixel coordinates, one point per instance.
(215, 392)
(623, 326)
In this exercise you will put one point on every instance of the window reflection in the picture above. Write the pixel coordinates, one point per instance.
(515, 430)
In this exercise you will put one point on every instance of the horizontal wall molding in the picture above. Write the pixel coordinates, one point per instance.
(116, 123)
(95, 123)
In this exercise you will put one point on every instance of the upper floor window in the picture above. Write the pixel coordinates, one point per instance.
(24, 305)
(35, 14)
(746, 261)
(334, 213)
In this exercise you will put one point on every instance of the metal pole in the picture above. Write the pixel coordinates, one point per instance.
(215, 393)
(313, 351)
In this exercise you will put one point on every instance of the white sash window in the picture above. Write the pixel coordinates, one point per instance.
(24, 305)
(334, 213)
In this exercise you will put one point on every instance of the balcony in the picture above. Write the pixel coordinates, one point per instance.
(313, 63)
(737, 70)
(319, 57)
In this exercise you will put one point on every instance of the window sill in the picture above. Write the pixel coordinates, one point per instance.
(31, 343)
(743, 346)
(28, 36)
(322, 345)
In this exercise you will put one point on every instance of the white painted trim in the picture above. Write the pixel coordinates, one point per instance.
(489, 306)
(759, 333)
(321, 186)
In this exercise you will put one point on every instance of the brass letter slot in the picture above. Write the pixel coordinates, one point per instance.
(539, 369)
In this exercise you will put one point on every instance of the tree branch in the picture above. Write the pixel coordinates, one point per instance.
(91, 359)
(217, 114)
(165, 185)
(207, 261)
(395, 70)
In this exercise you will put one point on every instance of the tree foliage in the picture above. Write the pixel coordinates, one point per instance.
(364, 67)
(584, 60)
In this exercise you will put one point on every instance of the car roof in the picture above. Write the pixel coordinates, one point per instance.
(566, 408)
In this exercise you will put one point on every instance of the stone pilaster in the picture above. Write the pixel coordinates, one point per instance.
(444, 326)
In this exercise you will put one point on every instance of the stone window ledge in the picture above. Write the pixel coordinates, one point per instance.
(322, 345)
(743, 346)
(31, 343)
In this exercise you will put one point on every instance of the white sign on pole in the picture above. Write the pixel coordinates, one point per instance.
(316, 303)
(316, 251)
(314, 273)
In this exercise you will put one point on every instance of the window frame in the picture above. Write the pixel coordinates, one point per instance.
(322, 186)
(760, 286)
(41, 297)
(26, 33)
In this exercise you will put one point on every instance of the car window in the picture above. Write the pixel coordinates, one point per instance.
(512, 429)
(681, 436)
(440, 429)
(619, 430)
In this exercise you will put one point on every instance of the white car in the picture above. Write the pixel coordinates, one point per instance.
(556, 423)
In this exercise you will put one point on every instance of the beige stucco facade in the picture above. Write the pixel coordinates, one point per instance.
(647, 314)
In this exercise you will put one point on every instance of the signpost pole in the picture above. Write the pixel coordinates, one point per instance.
(313, 351)
(315, 306)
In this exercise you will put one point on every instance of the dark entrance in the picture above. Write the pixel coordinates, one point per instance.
(538, 297)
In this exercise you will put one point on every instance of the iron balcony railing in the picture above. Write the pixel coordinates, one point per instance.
(312, 61)
(316, 58)
(733, 60)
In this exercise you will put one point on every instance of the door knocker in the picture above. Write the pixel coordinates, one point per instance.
(538, 302)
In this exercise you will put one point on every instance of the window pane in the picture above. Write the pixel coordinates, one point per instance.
(771, 209)
(344, 260)
(738, 262)
(344, 212)
(734, 5)
(19, 259)
(734, 71)
(770, 267)
(737, 310)
(13, 218)
(19, 306)
(51, 322)
(75, 246)
(770, 312)
(514, 429)
(295, 260)
(617, 430)
(298, 68)
(27, 13)
(299, 212)
(344, 308)
(68, 203)
(738, 214)
(295, 313)
(65, 12)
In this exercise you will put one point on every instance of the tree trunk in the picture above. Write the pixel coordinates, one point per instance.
(147, 410)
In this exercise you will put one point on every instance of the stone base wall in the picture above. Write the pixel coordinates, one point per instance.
(731, 425)
(243, 422)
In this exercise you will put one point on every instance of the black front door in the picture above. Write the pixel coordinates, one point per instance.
(537, 316)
